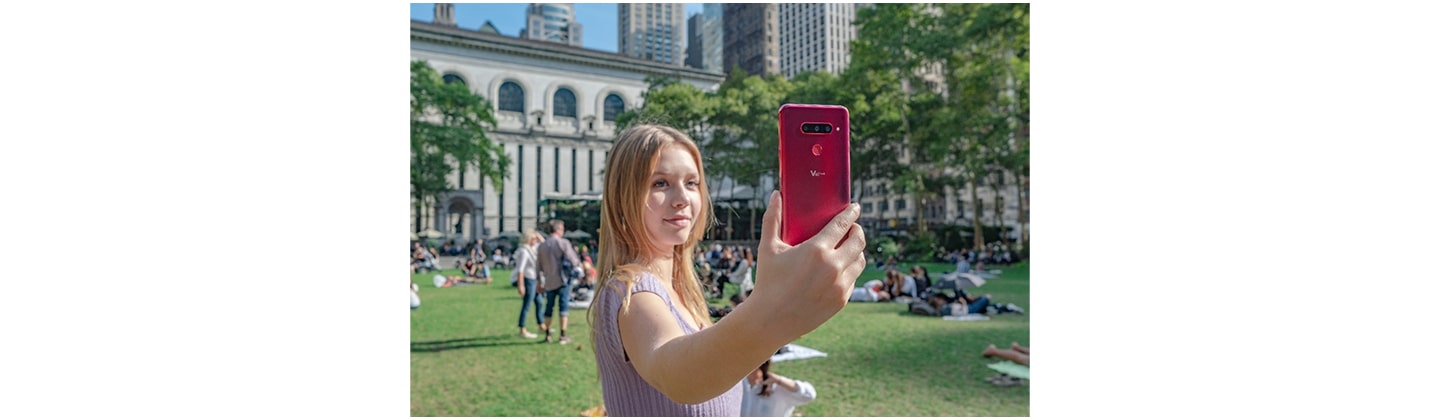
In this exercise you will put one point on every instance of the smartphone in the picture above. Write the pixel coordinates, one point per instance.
(814, 168)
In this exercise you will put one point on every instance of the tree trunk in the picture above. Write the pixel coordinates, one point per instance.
(918, 201)
(1000, 213)
(1022, 217)
(975, 217)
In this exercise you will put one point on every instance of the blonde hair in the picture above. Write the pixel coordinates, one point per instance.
(624, 241)
(529, 235)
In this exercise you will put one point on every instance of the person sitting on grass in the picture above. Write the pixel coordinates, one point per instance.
(900, 287)
(872, 291)
(1015, 353)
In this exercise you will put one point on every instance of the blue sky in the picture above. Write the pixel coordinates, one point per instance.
(598, 19)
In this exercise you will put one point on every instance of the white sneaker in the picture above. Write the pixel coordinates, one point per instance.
(1013, 308)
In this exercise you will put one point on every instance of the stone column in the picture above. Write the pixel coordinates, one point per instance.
(477, 224)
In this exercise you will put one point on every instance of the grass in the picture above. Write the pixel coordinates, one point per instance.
(466, 358)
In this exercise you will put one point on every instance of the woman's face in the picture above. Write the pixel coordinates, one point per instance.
(672, 199)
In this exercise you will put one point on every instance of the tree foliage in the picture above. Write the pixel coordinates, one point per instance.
(938, 97)
(448, 123)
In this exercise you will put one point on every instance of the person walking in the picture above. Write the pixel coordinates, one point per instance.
(557, 287)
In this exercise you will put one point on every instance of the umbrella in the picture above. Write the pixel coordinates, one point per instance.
(507, 235)
(958, 281)
(432, 233)
(577, 234)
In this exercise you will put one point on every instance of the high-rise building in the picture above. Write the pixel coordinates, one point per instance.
(553, 22)
(695, 42)
(445, 14)
(815, 37)
(751, 40)
(653, 31)
(713, 32)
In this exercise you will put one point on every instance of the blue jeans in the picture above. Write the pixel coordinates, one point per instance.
(978, 306)
(563, 293)
(530, 295)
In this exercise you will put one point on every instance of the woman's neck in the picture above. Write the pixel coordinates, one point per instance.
(662, 266)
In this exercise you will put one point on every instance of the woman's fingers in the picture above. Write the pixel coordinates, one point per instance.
(770, 227)
(833, 232)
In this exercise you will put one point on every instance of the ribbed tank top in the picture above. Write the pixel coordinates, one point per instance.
(626, 393)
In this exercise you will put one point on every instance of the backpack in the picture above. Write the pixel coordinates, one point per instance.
(569, 272)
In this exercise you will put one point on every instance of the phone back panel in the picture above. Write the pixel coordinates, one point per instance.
(814, 169)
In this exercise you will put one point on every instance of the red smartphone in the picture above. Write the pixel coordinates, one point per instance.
(814, 168)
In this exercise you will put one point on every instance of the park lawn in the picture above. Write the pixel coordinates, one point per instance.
(466, 358)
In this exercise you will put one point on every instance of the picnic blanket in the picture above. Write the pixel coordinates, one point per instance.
(966, 317)
(1011, 368)
(795, 352)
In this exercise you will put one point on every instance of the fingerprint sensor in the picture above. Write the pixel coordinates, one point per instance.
(816, 150)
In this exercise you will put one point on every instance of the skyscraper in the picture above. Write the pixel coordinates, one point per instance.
(695, 42)
(553, 22)
(815, 37)
(751, 40)
(652, 31)
(713, 33)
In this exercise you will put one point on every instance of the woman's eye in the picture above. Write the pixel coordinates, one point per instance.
(661, 184)
(692, 183)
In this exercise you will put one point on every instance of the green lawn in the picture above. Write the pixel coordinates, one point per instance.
(467, 360)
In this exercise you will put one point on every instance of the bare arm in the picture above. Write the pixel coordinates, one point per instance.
(804, 286)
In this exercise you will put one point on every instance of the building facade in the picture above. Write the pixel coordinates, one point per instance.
(752, 41)
(445, 14)
(815, 37)
(555, 107)
(652, 31)
(713, 31)
(552, 22)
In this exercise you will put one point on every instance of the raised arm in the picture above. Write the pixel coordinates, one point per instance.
(803, 286)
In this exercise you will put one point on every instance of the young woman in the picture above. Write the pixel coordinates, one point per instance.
(657, 351)
(740, 275)
(528, 274)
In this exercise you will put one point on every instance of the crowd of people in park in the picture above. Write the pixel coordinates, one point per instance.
(648, 288)
(725, 265)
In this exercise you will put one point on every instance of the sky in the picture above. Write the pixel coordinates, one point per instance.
(598, 20)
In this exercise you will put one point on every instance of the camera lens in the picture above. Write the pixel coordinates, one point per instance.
(815, 128)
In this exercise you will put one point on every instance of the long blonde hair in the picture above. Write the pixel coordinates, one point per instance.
(624, 241)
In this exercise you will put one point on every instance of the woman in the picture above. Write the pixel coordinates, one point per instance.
(921, 276)
(770, 395)
(656, 349)
(723, 271)
(740, 275)
(899, 285)
(527, 269)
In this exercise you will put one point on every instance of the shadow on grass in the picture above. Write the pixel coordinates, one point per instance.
(465, 343)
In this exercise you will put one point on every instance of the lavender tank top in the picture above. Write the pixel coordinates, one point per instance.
(626, 393)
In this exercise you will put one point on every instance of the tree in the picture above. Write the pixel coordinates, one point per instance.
(447, 132)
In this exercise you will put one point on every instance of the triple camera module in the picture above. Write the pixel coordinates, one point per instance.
(816, 128)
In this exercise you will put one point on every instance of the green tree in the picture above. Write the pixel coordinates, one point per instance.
(672, 103)
(447, 132)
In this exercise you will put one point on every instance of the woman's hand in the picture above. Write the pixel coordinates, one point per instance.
(802, 286)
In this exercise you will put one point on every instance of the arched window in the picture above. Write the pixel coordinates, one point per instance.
(512, 97)
(453, 78)
(613, 106)
(564, 103)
